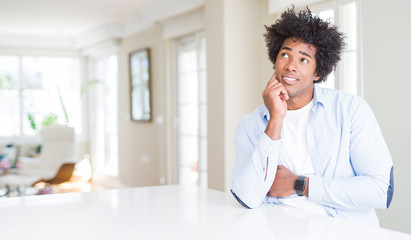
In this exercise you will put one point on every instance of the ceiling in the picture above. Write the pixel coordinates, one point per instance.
(71, 21)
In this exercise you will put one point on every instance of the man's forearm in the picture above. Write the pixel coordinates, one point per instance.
(283, 185)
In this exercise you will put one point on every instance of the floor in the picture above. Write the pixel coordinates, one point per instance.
(74, 185)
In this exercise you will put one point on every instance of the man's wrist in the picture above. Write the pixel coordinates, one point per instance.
(299, 185)
(305, 192)
(273, 129)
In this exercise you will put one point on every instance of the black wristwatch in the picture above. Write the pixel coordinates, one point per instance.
(299, 185)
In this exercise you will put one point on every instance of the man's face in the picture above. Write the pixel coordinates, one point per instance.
(295, 69)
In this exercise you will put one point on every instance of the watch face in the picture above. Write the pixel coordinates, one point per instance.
(299, 185)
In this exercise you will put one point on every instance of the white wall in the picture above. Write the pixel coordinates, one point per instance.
(140, 143)
(233, 78)
(214, 20)
(386, 34)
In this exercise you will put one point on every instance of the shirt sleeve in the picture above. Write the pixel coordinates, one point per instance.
(254, 168)
(372, 185)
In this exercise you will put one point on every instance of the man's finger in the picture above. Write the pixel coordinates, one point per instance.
(272, 81)
(284, 93)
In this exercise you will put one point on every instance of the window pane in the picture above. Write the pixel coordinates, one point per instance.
(9, 96)
(329, 82)
(191, 109)
(103, 114)
(111, 115)
(188, 119)
(51, 86)
(9, 70)
(9, 113)
(349, 26)
(72, 102)
(38, 86)
(187, 58)
(350, 72)
(327, 15)
(188, 87)
(188, 150)
(40, 104)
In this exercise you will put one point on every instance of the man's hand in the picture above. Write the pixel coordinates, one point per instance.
(275, 96)
(283, 185)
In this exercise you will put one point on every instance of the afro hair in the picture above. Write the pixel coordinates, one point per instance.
(309, 29)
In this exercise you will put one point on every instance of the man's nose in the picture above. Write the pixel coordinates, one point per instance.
(291, 65)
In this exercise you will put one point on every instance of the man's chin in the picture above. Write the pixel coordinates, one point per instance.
(288, 89)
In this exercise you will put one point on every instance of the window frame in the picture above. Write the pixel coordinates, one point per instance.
(202, 180)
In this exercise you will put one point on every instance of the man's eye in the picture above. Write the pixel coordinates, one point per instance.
(284, 55)
(304, 60)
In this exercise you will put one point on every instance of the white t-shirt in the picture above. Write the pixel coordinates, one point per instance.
(294, 154)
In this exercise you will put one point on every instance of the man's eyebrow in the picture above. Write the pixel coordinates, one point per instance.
(305, 54)
(286, 48)
(301, 52)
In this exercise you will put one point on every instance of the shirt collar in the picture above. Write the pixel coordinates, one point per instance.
(318, 98)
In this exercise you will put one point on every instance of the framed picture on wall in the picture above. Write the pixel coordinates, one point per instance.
(140, 84)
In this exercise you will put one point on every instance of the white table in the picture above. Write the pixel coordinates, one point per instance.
(167, 212)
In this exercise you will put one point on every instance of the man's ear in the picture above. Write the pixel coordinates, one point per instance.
(316, 77)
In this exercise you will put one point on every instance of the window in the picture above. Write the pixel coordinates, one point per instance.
(350, 55)
(191, 110)
(346, 77)
(103, 113)
(47, 88)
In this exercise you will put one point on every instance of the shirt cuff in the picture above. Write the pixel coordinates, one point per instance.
(271, 200)
(315, 189)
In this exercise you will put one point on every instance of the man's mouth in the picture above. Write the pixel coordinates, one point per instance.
(289, 80)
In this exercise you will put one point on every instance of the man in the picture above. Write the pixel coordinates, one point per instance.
(312, 148)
